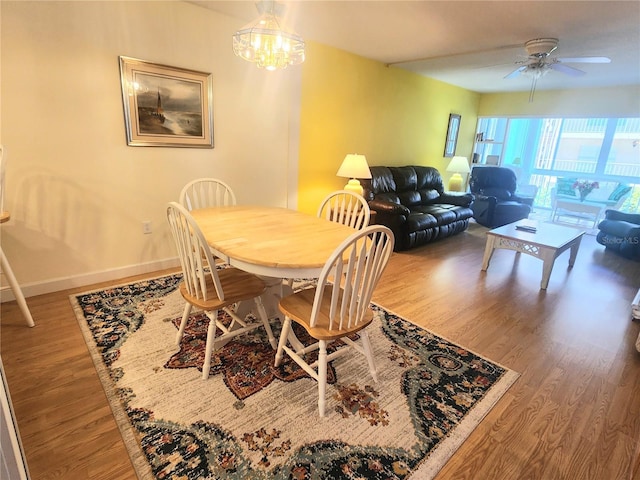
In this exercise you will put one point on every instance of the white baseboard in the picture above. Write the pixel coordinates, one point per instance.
(57, 284)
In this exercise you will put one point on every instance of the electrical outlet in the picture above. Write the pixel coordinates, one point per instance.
(146, 226)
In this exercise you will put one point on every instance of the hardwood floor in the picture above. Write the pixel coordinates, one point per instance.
(574, 413)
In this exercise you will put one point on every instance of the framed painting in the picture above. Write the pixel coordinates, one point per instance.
(452, 135)
(166, 106)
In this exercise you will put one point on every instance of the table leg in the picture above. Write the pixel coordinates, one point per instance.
(276, 289)
(488, 252)
(17, 291)
(574, 251)
(270, 298)
(548, 258)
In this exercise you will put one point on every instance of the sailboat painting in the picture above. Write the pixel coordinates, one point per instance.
(166, 106)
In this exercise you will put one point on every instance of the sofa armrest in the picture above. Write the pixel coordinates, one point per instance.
(621, 216)
(388, 208)
(461, 199)
(484, 199)
(523, 199)
(483, 208)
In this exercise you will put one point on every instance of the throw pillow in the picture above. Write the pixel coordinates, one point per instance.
(602, 193)
(564, 186)
(620, 191)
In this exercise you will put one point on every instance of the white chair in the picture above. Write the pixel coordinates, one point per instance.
(7, 271)
(212, 289)
(345, 207)
(334, 310)
(206, 192)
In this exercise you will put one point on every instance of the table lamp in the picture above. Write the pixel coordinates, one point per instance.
(457, 165)
(354, 166)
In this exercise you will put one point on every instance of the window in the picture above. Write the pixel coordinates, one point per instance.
(542, 149)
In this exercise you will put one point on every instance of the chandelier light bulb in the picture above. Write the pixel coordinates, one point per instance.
(266, 43)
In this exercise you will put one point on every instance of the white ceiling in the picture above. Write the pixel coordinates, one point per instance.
(472, 44)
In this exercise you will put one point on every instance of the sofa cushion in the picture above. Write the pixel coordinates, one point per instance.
(420, 221)
(409, 198)
(428, 195)
(492, 177)
(564, 186)
(389, 197)
(603, 192)
(405, 179)
(381, 180)
(428, 179)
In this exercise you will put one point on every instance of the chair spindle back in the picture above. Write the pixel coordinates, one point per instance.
(351, 274)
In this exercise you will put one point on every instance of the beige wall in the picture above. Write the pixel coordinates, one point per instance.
(77, 193)
(587, 102)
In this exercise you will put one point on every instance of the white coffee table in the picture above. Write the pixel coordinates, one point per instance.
(546, 243)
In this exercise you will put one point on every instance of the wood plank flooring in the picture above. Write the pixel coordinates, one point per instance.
(573, 414)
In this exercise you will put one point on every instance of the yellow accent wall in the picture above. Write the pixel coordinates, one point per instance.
(350, 104)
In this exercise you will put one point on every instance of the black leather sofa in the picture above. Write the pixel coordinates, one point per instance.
(620, 232)
(411, 201)
(495, 200)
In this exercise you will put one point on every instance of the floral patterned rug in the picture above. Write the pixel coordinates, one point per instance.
(251, 420)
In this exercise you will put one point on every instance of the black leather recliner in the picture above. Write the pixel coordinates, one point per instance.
(620, 232)
(496, 203)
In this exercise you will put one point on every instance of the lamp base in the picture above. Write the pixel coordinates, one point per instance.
(353, 185)
(455, 183)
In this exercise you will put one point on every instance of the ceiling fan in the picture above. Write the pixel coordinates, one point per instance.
(540, 62)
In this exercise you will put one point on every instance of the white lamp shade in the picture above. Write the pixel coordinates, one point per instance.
(354, 166)
(459, 165)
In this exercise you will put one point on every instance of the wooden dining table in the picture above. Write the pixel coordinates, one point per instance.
(273, 242)
(270, 241)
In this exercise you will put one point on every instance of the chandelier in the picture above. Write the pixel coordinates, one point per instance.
(266, 43)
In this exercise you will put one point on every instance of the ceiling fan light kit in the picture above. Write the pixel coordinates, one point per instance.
(540, 63)
(541, 46)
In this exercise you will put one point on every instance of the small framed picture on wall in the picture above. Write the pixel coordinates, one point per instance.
(452, 135)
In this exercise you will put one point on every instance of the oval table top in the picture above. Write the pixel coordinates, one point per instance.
(270, 241)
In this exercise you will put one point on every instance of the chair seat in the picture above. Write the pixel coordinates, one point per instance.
(237, 286)
(299, 305)
(338, 306)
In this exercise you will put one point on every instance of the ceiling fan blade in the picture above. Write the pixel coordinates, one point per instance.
(585, 60)
(559, 67)
(516, 72)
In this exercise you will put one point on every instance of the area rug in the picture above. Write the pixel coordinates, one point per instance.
(251, 420)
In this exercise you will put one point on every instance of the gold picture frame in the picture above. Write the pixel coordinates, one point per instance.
(166, 106)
